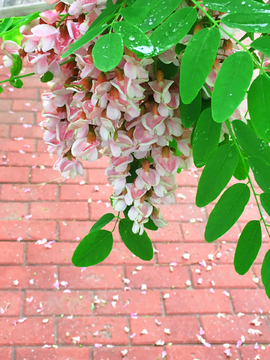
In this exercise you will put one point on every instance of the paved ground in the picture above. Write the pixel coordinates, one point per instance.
(51, 310)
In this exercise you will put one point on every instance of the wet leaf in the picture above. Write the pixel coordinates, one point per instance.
(189, 113)
(249, 22)
(262, 44)
(265, 201)
(265, 273)
(103, 221)
(261, 171)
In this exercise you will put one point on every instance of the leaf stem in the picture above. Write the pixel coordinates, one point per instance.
(249, 179)
(117, 218)
(63, 18)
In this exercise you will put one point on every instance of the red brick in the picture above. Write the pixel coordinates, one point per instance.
(230, 328)
(58, 302)
(32, 132)
(23, 93)
(30, 332)
(16, 117)
(13, 145)
(171, 232)
(22, 193)
(97, 177)
(4, 130)
(190, 352)
(250, 301)
(196, 302)
(18, 159)
(60, 253)
(10, 174)
(185, 195)
(121, 255)
(224, 276)
(5, 105)
(249, 353)
(43, 277)
(59, 211)
(12, 211)
(183, 330)
(70, 230)
(95, 277)
(168, 253)
(99, 209)
(6, 353)
(28, 230)
(62, 353)
(132, 301)
(110, 330)
(194, 232)
(187, 178)
(184, 212)
(158, 277)
(85, 192)
(34, 81)
(50, 175)
(134, 353)
(101, 163)
(11, 253)
(10, 301)
(19, 105)
(41, 146)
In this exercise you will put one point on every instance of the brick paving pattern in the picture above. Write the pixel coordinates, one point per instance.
(51, 310)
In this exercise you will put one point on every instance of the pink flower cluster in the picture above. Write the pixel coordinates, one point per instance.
(129, 114)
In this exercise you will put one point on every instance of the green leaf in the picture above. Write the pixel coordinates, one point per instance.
(265, 201)
(259, 106)
(93, 249)
(106, 15)
(231, 85)
(139, 245)
(250, 142)
(18, 22)
(1, 90)
(173, 29)
(134, 38)
(48, 76)
(216, 174)
(88, 36)
(108, 51)
(253, 22)
(206, 138)
(16, 65)
(242, 169)
(150, 225)
(227, 211)
(13, 35)
(265, 273)
(103, 221)
(262, 44)
(197, 62)
(169, 70)
(261, 171)
(17, 83)
(190, 113)
(237, 6)
(5, 24)
(248, 247)
(147, 15)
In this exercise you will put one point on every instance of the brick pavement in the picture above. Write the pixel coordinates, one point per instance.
(51, 310)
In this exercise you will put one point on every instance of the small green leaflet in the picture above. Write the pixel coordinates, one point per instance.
(134, 38)
(88, 36)
(217, 173)
(237, 6)
(173, 29)
(108, 51)
(206, 138)
(148, 14)
(248, 247)
(261, 171)
(250, 22)
(93, 249)
(265, 273)
(150, 225)
(48, 76)
(16, 65)
(139, 245)
(231, 85)
(265, 201)
(262, 44)
(250, 142)
(259, 106)
(189, 113)
(197, 62)
(17, 83)
(103, 221)
(1, 90)
(227, 211)
(242, 169)
(5, 24)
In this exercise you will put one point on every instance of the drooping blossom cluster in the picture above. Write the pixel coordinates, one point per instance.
(130, 114)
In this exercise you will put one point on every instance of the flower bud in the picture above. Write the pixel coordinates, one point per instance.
(69, 155)
(101, 78)
(142, 199)
(150, 192)
(227, 45)
(91, 137)
(165, 152)
(81, 19)
(160, 76)
(119, 74)
(114, 93)
(197, 28)
(130, 133)
(60, 7)
(146, 165)
(87, 83)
